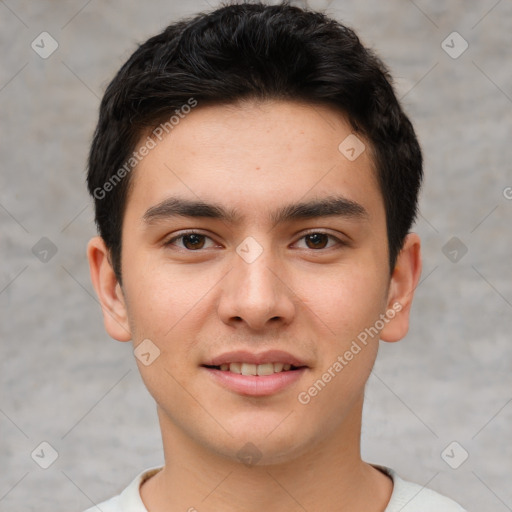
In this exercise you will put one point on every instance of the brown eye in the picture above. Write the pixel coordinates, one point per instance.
(317, 240)
(193, 241)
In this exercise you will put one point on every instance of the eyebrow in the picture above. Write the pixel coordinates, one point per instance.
(325, 207)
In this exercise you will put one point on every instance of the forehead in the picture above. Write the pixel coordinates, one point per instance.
(257, 156)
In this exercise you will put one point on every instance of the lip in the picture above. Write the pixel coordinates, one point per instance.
(243, 356)
(255, 385)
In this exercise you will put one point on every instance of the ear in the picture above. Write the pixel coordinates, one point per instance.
(108, 289)
(404, 281)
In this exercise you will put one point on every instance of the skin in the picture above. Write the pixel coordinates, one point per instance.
(309, 299)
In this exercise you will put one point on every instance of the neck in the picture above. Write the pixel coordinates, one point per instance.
(328, 475)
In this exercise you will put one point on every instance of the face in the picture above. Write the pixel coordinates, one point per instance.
(252, 244)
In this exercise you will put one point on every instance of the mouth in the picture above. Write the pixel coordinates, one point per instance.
(251, 374)
(255, 369)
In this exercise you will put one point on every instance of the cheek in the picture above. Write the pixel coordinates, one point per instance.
(164, 309)
(169, 305)
(350, 309)
(344, 300)
(163, 297)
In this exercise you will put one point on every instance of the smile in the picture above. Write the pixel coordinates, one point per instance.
(255, 369)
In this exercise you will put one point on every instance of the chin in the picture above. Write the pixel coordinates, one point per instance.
(264, 446)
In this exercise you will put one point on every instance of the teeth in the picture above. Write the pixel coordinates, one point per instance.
(255, 369)
(234, 367)
(265, 369)
(249, 369)
(278, 367)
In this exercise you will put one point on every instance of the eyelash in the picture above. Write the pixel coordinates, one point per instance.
(339, 242)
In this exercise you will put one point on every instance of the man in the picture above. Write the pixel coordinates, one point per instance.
(255, 181)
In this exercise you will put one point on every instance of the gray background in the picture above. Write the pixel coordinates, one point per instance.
(65, 382)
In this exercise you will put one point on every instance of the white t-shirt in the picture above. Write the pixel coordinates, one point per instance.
(406, 497)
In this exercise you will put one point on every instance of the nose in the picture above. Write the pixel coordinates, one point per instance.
(256, 294)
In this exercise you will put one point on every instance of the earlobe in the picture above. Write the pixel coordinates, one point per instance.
(108, 289)
(404, 281)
